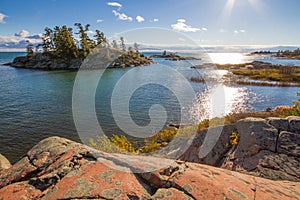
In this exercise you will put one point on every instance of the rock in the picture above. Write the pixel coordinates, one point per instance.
(255, 133)
(209, 146)
(262, 152)
(95, 60)
(4, 162)
(58, 168)
(277, 167)
(279, 123)
(294, 124)
(289, 143)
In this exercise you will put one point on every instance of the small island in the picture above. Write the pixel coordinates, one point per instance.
(289, 54)
(173, 56)
(62, 51)
(257, 73)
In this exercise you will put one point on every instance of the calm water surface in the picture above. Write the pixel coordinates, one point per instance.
(38, 104)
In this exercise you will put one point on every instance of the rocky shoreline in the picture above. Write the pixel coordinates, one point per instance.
(45, 61)
(263, 165)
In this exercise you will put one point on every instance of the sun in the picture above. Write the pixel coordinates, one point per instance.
(228, 8)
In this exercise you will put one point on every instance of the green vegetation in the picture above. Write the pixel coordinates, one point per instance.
(289, 54)
(59, 42)
(265, 74)
(282, 74)
(61, 45)
(296, 110)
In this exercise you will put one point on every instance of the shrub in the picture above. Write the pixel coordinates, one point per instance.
(122, 143)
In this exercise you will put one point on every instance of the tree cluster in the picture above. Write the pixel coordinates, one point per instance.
(60, 42)
(288, 53)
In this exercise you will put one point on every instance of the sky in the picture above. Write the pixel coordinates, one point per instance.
(206, 22)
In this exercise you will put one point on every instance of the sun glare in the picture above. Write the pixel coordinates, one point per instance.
(226, 58)
(230, 4)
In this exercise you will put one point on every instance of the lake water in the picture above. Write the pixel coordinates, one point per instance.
(37, 104)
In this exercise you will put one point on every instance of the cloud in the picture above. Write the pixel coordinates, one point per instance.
(16, 42)
(204, 29)
(182, 26)
(22, 33)
(154, 20)
(38, 36)
(99, 20)
(239, 31)
(122, 16)
(139, 18)
(2, 16)
(114, 4)
(90, 32)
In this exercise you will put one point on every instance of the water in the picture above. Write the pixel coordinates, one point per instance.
(38, 104)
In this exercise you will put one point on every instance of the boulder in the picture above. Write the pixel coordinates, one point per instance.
(4, 162)
(289, 143)
(209, 146)
(261, 151)
(58, 168)
(294, 124)
(255, 135)
(279, 123)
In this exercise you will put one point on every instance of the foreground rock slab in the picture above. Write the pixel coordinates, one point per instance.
(58, 168)
(268, 148)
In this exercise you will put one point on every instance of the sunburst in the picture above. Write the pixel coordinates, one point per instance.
(229, 6)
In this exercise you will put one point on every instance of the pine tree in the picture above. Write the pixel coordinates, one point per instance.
(100, 38)
(29, 48)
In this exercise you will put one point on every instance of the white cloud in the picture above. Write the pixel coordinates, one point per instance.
(222, 30)
(99, 20)
(2, 16)
(14, 42)
(204, 29)
(139, 18)
(182, 26)
(114, 4)
(90, 32)
(239, 31)
(153, 20)
(22, 33)
(122, 16)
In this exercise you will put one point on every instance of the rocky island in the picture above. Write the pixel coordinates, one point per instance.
(60, 50)
(256, 73)
(289, 54)
(173, 57)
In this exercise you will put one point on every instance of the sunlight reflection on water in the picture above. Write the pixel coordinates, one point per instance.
(218, 101)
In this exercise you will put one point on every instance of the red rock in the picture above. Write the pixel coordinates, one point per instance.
(58, 168)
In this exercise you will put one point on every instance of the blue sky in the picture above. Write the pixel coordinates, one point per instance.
(207, 22)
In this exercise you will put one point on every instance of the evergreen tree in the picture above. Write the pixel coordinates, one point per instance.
(29, 48)
(86, 43)
(114, 44)
(48, 40)
(122, 44)
(100, 38)
(65, 45)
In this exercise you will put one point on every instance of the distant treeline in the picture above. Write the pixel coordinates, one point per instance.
(288, 53)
